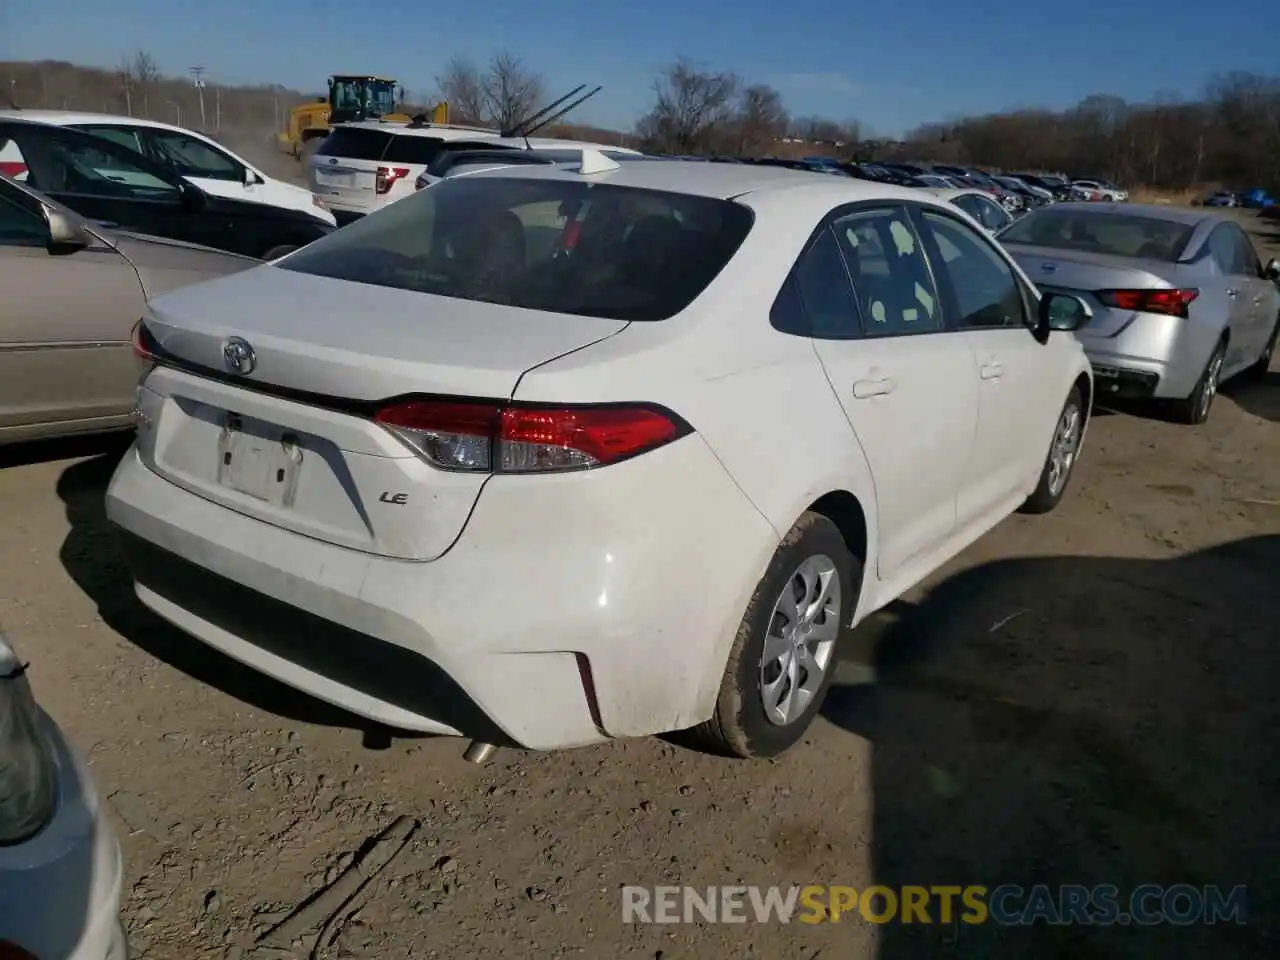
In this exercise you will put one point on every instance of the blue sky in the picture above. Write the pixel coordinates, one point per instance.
(891, 65)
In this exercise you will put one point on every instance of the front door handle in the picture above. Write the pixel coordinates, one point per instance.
(991, 371)
(862, 389)
(1232, 292)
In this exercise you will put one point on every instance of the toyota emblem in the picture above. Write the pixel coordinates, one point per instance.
(239, 356)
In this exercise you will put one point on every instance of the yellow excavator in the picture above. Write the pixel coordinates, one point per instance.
(351, 97)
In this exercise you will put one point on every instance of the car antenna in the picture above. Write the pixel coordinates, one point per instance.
(520, 127)
(560, 113)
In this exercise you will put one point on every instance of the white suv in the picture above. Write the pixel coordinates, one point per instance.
(203, 161)
(363, 166)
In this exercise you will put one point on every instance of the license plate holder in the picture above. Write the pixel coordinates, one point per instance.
(336, 179)
(259, 466)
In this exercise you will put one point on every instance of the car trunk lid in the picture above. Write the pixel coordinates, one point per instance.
(292, 441)
(1084, 274)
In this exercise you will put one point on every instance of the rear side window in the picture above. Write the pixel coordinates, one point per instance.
(562, 246)
(825, 291)
(354, 143)
(125, 136)
(890, 274)
(1247, 263)
(409, 149)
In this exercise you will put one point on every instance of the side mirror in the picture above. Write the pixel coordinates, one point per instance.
(1061, 311)
(193, 198)
(251, 179)
(63, 232)
(1272, 270)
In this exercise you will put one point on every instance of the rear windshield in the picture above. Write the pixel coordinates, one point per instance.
(556, 245)
(354, 143)
(1114, 234)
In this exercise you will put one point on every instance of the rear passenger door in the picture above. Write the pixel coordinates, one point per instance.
(907, 387)
(1018, 378)
(1258, 293)
(1239, 290)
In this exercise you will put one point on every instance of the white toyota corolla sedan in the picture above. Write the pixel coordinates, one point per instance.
(60, 868)
(551, 455)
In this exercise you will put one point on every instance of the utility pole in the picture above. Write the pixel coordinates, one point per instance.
(217, 109)
(128, 94)
(197, 74)
(177, 110)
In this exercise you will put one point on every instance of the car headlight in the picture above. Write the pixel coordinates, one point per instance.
(28, 775)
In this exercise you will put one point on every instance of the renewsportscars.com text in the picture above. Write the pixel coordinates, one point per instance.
(1007, 905)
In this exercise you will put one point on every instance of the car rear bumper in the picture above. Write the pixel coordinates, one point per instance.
(1152, 356)
(60, 891)
(571, 609)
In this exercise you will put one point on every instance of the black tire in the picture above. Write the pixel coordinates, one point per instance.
(740, 726)
(1263, 364)
(279, 251)
(1195, 408)
(1055, 476)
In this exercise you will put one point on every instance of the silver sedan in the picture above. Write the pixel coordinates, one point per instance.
(76, 290)
(1180, 300)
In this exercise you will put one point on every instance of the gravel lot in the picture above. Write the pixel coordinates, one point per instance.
(1086, 697)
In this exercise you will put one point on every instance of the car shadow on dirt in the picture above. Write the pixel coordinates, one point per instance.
(91, 555)
(1259, 397)
(1081, 720)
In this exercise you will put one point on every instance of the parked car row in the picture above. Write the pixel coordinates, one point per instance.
(1255, 199)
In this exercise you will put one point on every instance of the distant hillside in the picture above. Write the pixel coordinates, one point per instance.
(138, 88)
(247, 112)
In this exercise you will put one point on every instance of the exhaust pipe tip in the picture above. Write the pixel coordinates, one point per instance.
(479, 752)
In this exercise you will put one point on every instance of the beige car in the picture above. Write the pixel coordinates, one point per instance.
(73, 291)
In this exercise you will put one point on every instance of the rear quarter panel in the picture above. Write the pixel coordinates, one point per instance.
(757, 397)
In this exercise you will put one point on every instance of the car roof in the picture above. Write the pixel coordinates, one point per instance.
(439, 131)
(67, 118)
(723, 181)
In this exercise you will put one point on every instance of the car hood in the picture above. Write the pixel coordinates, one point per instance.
(163, 264)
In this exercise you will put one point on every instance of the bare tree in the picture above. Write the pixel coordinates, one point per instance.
(462, 86)
(145, 76)
(511, 92)
(125, 74)
(761, 120)
(693, 109)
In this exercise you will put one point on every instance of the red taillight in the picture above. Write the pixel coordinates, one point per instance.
(12, 168)
(514, 438)
(389, 175)
(142, 343)
(1174, 303)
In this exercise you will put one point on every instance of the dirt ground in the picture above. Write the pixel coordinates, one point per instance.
(1087, 697)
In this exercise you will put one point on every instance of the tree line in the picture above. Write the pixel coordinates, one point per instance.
(1228, 135)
